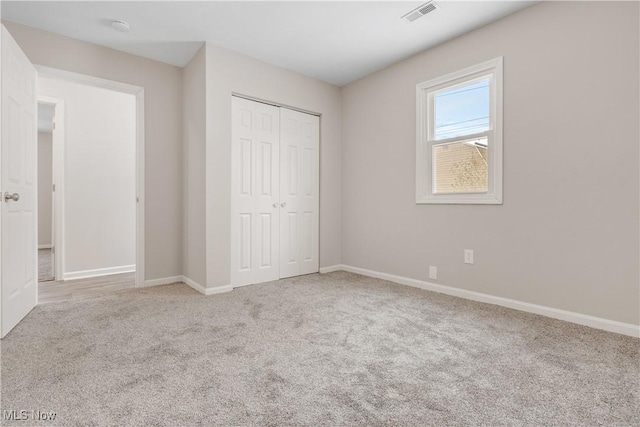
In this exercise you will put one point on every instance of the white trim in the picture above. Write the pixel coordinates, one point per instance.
(275, 104)
(161, 281)
(99, 272)
(192, 283)
(140, 188)
(568, 316)
(425, 140)
(331, 268)
(138, 91)
(218, 290)
(195, 285)
(58, 139)
(206, 291)
(45, 246)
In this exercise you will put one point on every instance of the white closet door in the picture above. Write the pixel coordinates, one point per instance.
(255, 192)
(299, 193)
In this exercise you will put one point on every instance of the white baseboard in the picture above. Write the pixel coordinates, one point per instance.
(192, 283)
(99, 272)
(332, 268)
(206, 291)
(49, 246)
(195, 285)
(219, 290)
(568, 316)
(161, 281)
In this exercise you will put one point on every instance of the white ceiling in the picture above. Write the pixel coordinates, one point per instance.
(334, 41)
(45, 117)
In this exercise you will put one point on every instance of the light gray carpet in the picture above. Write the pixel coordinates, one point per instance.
(334, 349)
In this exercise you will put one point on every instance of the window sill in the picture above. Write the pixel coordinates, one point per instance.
(450, 199)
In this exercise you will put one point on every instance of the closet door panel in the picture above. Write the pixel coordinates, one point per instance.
(299, 208)
(254, 192)
(242, 191)
(267, 194)
(289, 178)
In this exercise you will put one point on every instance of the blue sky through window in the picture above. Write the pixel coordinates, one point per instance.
(463, 110)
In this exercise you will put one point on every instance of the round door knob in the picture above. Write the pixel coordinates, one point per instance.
(283, 204)
(15, 197)
(275, 205)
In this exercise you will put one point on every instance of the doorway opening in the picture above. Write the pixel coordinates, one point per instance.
(93, 156)
(46, 242)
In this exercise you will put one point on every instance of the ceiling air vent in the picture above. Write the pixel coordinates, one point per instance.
(420, 11)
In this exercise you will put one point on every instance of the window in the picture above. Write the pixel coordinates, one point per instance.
(459, 136)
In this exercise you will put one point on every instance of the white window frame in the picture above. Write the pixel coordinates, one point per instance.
(425, 130)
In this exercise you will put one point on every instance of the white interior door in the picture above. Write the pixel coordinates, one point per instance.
(19, 267)
(254, 192)
(299, 193)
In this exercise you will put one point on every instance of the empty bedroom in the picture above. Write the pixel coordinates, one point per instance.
(247, 213)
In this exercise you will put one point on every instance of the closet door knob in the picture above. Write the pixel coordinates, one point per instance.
(283, 204)
(275, 205)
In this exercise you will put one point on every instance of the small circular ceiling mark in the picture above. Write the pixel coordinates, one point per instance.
(121, 26)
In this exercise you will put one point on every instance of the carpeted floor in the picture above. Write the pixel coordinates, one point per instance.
(333, 349)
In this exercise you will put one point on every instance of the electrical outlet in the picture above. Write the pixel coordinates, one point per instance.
(468, 256)
(433, 272)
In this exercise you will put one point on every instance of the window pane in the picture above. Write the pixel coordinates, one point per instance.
(461, 167)
(462, 111)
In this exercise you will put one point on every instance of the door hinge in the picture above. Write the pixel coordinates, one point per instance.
(54, 125)
(54, 188)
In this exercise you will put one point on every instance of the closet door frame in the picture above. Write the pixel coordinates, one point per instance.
(252, 278)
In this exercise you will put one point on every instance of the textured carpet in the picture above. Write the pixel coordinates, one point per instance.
(333, 349)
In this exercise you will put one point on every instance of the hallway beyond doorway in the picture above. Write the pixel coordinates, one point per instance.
(45, 265)
(66, 290)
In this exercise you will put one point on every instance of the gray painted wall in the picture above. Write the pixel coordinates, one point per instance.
(567, 234)
(194, 238)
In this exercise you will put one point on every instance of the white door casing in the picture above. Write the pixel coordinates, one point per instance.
(138, 92)
(255, 192)
(274, 192)
(18, 175)
(299, 193)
